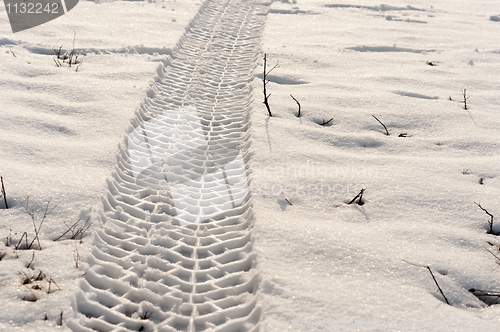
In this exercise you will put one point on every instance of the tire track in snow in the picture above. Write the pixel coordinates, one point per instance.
(175, 253)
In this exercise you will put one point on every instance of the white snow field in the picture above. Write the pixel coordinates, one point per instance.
(179, 204)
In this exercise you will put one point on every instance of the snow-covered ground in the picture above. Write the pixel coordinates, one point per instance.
(322, 264)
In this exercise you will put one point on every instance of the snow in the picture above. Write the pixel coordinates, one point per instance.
(318, 262)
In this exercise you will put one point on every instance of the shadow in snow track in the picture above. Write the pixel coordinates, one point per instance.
(175, 253)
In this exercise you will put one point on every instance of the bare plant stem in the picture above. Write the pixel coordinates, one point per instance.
(60, 323)
(75, 231)
(31, 261)
(266, 81)
(482, 293)
(50, 282)
(4, 194)
(324, 123)
(386, 131)
(298, 114)
(498, 258)
(31, 212)
(490, 222)
(25, 235)
(433, 277)
(464, 93)
(360, 196)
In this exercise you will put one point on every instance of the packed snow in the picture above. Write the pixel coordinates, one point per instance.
(296, 256)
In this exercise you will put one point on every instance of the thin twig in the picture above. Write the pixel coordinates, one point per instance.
(464, 93)
(491, 220)
(4, 194)
(298, 114)
(70, 229)
(433, 277)
(18, 243)
(32, 214)
(483, 293)
(50, 282)
(82, 230)
(266, 81)
(40, 275)
(498, 258)
(75, 232)
(360, 196)
(32, 258)
(386, 131)
(325, 122)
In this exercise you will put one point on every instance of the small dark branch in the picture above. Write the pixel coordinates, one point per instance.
(60, 322)
(440, 290)
(75, 231)
(4, 194)
(82, 230)
(464, 93)
(482, 294)
(56, 61)
(25, 235)
(265, 82)
(58, 52)
(360, 196)
(31, 261)
(449, 98)
(298, 113)
(40, 275)
(324, 123)
(11, 52)
(481, 181)
(70, 229)
(403, 135)
(386, 131)
(8, 239)
(490, 222)
(289, 203)
(433, 277)
(360, 200)
(498, 258)
(48, 210)
(50, 282)
(145, 315)
(2, 255)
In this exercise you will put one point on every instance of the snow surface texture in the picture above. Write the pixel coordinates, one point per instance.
(176, 250)
(330, 266)
(323, 265)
